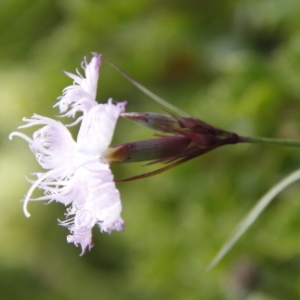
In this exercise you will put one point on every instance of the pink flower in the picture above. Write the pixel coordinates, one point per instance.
(78, 174)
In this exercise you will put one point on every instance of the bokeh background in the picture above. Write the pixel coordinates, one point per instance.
(234, 64)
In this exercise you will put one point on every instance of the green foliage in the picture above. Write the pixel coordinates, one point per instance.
(234, 64)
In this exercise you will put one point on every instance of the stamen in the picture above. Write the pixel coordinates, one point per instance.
(21, 135)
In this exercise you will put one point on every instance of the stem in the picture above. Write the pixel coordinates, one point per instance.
(251, 217)
(156, 98)
(290, 143)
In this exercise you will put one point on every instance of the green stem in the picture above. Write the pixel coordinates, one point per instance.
(290, 143)
(156, 98)
(251, 217)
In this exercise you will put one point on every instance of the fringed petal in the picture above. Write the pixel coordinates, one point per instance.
(101, 205)
(53, 144)
(97, 127)
(82, 94)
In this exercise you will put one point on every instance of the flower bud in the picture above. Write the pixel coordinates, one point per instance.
(158, 122)
(180, 139)
(158, 149)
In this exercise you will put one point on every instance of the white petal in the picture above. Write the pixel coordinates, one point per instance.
(81, 96)
(97, 128)
(101, 206)
(82, 238)
(53, 144)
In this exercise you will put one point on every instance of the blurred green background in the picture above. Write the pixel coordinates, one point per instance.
(234, 64)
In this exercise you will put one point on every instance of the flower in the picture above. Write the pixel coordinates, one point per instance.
(78, 175)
